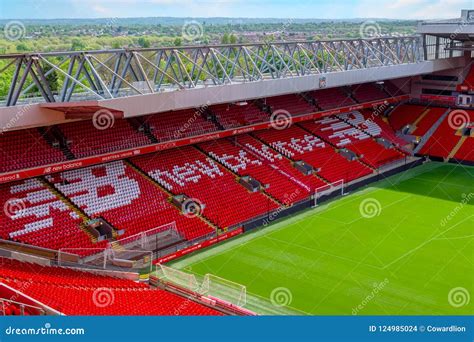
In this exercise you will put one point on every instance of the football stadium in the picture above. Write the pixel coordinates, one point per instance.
(315, 177)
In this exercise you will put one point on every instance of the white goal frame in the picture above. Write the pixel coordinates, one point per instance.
(327, 189)
(180, 278)
(215, 287)
(144, 240)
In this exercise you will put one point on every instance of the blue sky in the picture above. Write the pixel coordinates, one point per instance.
(404, 9)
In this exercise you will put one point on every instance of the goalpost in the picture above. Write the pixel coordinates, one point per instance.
(223, 289)
(328, 189)
(152, 239)
(181, 278)
(210, 285)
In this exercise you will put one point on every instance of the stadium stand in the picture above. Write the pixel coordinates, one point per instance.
(26, 148)
(297, 144)
(86, 140)
(448, 141)
(343, 134)
(232, 116)
(125, 199)
(35, 215)
(81, 139)
(387, 131)
(245, 163)
(368, 92)
(392, 89)
(74, 292)
(134, 196)
(295, 104)
(466, 150)
(190, 172)
(331, 98)
(277, 162)
(404, 115)
(420, 118)
(179, 124)
(424, 123)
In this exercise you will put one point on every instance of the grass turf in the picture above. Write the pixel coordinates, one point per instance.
(414, 257)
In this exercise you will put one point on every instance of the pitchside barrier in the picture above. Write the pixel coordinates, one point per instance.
(211, 286)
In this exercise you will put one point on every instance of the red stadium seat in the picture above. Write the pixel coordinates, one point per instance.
(190, 172)
(368, 92)
(331, 98)
(294, 104)
(124, 198)
(74, 292)
(233, 116)
(36, 216)
(297, 144)
(25, 149)
(180, 124)
(287, 185)
(86, 140)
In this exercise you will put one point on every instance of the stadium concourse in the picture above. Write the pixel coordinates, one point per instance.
(92, 208)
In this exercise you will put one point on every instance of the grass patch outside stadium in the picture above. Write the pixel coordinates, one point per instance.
(402, 246)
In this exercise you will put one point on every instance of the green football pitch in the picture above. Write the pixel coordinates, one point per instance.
(402, 246)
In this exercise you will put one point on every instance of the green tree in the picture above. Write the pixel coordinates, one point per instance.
(22, 47)
(78, 45)
(225, 38)
(232, 39)
(116, 45)
(144, 42)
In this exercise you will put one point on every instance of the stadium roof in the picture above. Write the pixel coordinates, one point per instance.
(461, 28)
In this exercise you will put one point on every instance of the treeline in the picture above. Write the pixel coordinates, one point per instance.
(63, 37)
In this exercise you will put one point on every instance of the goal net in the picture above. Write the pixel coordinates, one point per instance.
(223, 289)
(152, 239)
(337, 186)
(180, 278)
(139, 261)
